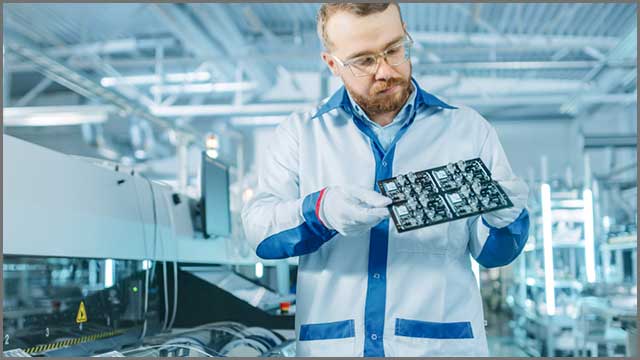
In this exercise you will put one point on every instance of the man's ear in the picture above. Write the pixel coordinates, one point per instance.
(331, 63)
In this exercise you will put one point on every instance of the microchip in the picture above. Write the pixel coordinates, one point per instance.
(402, 210)
(390, 186)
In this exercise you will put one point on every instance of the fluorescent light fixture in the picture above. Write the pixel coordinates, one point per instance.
(130, 80)
(259, 270)
(269, 120)
(531, 281)
(212, 142)
(54, 116)
(189, 77)
(109, 272)
(203, 88)
(589, 250)
(146, 264)
(606, 223)
(212, 153)
(155, 79)
(547, 238)
(140, 154)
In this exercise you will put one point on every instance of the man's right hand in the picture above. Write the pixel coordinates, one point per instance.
(351, 210)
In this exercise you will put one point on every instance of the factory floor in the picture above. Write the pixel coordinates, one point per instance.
(500, 336)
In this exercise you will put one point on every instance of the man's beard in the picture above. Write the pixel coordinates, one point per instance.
(376, 103)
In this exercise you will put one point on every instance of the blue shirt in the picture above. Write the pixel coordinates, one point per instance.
(387, 133)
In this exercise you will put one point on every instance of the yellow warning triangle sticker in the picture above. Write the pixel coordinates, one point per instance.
(82, 313)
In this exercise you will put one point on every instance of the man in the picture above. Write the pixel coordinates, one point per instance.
(363, 288)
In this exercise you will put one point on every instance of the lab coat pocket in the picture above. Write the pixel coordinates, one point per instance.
(414, 338)
(431, 239)
(327, 339)
(433, 330)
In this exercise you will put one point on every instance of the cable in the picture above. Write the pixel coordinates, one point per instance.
(254, 344)
(146, 275)
(189, 340)
(224, 326)
(144, 233)
(146, 304)
(264, 333)
(175, 293)
(160, 347)
(155, 242)
(175, 264)
(166, 294)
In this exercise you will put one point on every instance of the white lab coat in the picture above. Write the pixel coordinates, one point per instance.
(379, 293)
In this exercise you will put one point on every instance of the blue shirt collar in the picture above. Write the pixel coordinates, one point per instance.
(340, 99)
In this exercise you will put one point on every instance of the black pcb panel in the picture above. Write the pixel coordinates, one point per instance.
(442, 194)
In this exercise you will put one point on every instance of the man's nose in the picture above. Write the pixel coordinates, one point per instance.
(385, 71)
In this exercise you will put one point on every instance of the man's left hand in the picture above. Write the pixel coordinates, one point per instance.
(518, 191)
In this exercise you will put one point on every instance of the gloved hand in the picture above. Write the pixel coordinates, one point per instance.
(518, 192)
(351, 210)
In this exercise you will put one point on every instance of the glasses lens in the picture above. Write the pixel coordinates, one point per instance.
(368, 65)
(365, 65)
(399, 54)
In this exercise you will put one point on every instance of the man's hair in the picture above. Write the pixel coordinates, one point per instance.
(359, 9)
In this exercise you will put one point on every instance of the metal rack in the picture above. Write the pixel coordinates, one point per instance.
(619, 257)
(557, 260)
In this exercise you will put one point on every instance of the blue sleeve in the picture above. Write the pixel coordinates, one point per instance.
(304, 238)
(505, 244)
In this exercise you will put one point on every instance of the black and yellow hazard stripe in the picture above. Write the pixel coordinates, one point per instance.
(70, 342)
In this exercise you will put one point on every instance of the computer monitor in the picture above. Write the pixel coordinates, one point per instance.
(216, 212)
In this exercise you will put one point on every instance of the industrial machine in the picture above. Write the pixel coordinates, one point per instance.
(101, 261)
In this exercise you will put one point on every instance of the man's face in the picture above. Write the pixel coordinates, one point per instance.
(388, 89)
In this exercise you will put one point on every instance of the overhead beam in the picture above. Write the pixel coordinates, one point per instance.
(55, 115)
(230, 110)
(523, 65)
(475, 17)
(283, 109)
(605, 77)
(610, 140)
(288, 108)
(28, 32)
(35, 91)
(127, 45)
(14, 65)
(533, 42)
(192, 36)
(217, 19)
(81, 84)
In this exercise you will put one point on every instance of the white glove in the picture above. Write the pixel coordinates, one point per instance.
(351, 210)
(518, 192)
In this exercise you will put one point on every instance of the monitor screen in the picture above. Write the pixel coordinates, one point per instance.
(215, 197)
